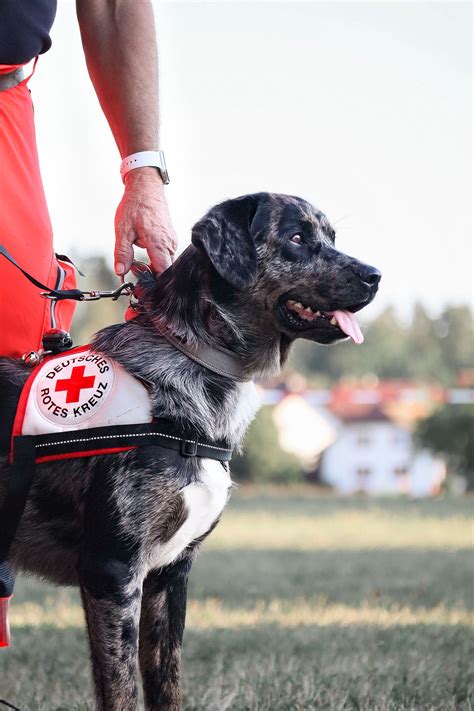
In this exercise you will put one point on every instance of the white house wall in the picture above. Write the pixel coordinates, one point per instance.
(374, 457)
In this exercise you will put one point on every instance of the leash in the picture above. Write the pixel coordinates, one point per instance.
(216, 359)
(124, 289)
(10, 706)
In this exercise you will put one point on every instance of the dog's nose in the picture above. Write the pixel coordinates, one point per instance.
(369, 275)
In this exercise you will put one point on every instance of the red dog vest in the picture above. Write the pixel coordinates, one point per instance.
(80, 390)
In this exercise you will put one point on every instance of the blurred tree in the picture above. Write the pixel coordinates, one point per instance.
(455, 328)
(450, 432)
(425, 349)
(423, 358)
(383, 352)
(263, 460)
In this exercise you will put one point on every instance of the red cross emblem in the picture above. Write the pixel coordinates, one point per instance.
(75, 383)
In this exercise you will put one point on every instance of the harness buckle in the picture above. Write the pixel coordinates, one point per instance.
(189, 447)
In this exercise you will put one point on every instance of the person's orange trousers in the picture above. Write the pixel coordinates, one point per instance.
(25, 231)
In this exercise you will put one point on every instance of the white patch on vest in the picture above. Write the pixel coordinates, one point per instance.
(205, 500)
(84, 390)
(73, 389)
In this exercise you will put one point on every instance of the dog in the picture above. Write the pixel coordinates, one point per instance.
(262, 270)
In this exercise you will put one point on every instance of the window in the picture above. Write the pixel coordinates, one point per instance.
(363, 472)
(362, 439)
(400, 471)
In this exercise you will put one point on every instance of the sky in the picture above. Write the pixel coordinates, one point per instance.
(362, 108)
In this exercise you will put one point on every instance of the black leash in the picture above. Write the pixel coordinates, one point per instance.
(10, 706)
(124, 289)
(217, 359)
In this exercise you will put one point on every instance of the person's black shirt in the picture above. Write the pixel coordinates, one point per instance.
(24, 29)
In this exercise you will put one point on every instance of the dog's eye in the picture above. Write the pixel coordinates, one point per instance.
(296, 239)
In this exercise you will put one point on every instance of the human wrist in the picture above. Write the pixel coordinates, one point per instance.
(148, 174)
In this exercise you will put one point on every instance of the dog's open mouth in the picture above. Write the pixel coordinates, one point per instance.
(327, 325)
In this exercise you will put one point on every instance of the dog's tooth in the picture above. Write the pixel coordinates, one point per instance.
(333, 321)
(308, 311)
(297, 303)
(317, 313)
(290, 302)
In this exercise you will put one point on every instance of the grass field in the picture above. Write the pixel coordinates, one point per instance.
(298, 601)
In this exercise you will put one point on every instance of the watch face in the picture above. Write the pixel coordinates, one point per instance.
(164, 176)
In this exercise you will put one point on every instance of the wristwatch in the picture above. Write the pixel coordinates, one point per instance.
(143, 159)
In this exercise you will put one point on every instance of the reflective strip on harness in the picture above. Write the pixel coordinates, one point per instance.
(118, 438)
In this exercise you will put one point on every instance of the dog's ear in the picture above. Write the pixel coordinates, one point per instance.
(226, 236)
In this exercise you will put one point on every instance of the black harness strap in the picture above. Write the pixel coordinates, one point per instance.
(18, 486)
(161, 432)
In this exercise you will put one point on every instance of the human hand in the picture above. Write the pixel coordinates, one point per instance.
(142, 218)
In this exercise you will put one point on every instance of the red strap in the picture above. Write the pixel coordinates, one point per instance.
(4, 626)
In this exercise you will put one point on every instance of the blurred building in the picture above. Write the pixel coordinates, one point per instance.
(360, 438)
(374, 453)
(304, 429)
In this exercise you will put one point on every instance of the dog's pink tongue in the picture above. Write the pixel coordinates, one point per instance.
(347, 322)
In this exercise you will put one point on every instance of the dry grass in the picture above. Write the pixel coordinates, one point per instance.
(212, 614)
(348, 530)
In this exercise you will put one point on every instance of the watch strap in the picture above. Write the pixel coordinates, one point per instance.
(145, 159)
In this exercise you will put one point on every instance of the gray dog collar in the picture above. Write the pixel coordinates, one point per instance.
(218, 360)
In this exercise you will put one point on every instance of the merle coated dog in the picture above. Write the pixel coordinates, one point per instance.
(262, 270)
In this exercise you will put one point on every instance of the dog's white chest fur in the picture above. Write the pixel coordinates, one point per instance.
(204, 502)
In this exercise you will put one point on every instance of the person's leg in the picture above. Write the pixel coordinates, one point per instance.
(25, 231)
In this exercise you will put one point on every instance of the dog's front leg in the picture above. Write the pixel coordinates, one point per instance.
(111, 578)
(161, 633)
(112, 612)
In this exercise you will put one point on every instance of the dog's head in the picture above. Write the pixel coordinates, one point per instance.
(278, 252)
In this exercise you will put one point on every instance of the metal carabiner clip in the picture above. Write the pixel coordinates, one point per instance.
(125, 289)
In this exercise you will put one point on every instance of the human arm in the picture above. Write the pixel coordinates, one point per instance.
(119, 43)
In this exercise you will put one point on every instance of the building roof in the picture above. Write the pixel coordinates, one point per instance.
(354, 412)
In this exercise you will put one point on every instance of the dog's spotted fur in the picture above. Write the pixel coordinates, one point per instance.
(125, 527)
